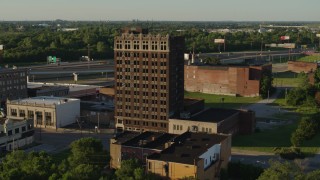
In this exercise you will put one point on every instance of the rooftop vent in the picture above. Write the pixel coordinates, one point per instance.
(185, 115)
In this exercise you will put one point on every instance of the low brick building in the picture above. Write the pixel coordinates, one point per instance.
(130, 144)
(298, 66)
(196, 155)
(227, 80)
(197, 118)
(215, 120)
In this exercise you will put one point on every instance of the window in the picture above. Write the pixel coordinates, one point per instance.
(48, 119)
(154, 45)
(16, 131)
(39, 117)
(127, 45)
(13, 112)
(23, 129)
(9, 132)
(163, 45)
(30, 114)
(22, 113)
(145, 45)
(135, 44)
(149, 165)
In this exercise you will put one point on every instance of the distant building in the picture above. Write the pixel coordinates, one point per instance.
(75, 90)
(148, 80)
(46, 111)
(57, 91)
(215, 120)
(13, 84)
(100, 113)
(225, 80)
(196, 155)
(15, 132)
(197, 118)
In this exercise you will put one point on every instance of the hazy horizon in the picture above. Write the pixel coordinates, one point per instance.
(164, 10)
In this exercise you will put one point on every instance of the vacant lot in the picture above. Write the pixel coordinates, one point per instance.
(286, 79)
(222, 101)
(312, 58)
(266, 140)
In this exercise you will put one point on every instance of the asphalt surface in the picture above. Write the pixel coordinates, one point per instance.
(56, 141)
(263, 107)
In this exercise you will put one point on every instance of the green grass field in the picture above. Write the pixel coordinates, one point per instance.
(286, 79)
(312, 58)
(267, 140)
(212, 100)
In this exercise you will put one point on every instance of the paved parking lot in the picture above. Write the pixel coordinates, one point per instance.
(55, 141)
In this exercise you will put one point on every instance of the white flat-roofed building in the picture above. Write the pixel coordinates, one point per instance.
(46, 111)
(15, 133)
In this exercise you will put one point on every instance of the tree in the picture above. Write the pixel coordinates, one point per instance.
(131, 169)
(101, 47)
(238, 170)
(87, 151)
(20, 165)
(127, 169)
(307, 128)
(317, 79)
(278, 170)
(266, 84)
(212, 60)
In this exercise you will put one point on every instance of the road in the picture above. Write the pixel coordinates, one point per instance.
(263, 107)
(74, 67)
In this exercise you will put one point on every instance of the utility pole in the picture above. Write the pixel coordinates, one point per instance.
(88, 52)
(224, 44)
(98, 120)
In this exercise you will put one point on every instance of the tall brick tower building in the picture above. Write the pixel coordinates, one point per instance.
(149, 80)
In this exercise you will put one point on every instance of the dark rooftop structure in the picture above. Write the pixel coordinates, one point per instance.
(134, 30)
(150, 140)
(125, 136)
(213, 115)
(188, 147)
(190, 101)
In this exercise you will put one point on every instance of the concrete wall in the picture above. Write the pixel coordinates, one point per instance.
(184, 125)
(61, 114)
(67, 113)
(211, 155)
(243, 81)
(306, 67)
(175, 170)
(115, 154)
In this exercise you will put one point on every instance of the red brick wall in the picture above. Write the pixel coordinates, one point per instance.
(243, 81)
(136, 152)
(296, 66)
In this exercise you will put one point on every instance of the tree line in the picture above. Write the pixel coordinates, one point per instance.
(34, 43)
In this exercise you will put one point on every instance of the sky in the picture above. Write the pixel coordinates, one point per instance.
(158, 10)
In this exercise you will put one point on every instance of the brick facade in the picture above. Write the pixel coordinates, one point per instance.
(227, 80)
